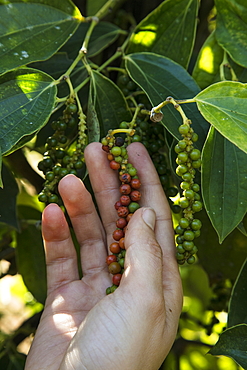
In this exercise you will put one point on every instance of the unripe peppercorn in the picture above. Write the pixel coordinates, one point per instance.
(114, 268)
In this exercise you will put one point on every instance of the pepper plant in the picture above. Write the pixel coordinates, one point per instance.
(171, 75)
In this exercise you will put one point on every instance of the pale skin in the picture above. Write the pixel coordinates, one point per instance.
(134, 328)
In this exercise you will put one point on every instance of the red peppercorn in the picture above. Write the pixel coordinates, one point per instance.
(106, 148)
(129, 217)
(118, 234)
(123, 211)
(125, 178)
(117, 205)
(125, 200)
(135, 183)
(125, 189)
(114, 248)
(114, 268)
(116, 279)
(111, 258)
(135, 195)
(114, 165)
(121, 223)
(121, 243)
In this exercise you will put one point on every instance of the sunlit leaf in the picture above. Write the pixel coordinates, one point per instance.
(109, 103)
(45, 27)
(233, 343)
(237, 312)
(224, 106)
(206, 70)
(224, 185)
(102, 36)
(160, 77)
(169, 31)
(8, 196)
(230, 27)
(27, 97)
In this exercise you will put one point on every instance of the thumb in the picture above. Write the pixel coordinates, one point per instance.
(143, 262)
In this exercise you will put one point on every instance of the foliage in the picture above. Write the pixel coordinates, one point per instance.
(121, 66)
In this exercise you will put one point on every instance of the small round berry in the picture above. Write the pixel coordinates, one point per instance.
(187, 176)
(182, 144)
(53, 198)
(197, 206)
(191, 260)
(42, 197)
(121, 243)
(47, 162)
(195, 154)
(189, 194)
(184, 129)
(78, 165)
(180, 248)
(189, 235)
(181, 169)
(63, 172)
(135, 196)
(123, 211)
(108, 291)
(117, 234)
(196, 187)
(119, 159)
(49, 175)
(184, 223)
(194, 137)
(116, 279)
(121, 262)
(185, 185)
(111, 258)
(114, 268)
(114, 165)
(133, 207)
(116, 150)
(135, 183)
(171, 192)
(176, 208)
(179, 230)
(121, 223)
(125, 200)
(197, 163)
(125, 189)
(184, 203)
(179, 239)
(113, 288)
(188, 245)
(106, 148)
(123, 125)
(115, 248)
(119, 141)
(125, 178)
(132, 171)
(196, 224)
(110, 157)
(182, 157)
(117, 205)
(180, 256)
(60, 153)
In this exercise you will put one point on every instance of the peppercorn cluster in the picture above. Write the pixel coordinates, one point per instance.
(58, 160)
(188, 160)
(127, 204)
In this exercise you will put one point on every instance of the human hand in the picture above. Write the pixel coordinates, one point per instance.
(81, 327)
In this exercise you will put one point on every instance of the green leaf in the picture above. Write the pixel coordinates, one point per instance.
(94, 5)
(230, 27)
(92, 121)
(103, 35)
(169, 31)
(220, 261)
(30, 253)
(34, 30)
(206, 70)
(8, 196)
(1, 180)
(160, 77)
(224, 106)
(27, 97)
(237, 312)
(109, 102)
(233, 343)
(224, 185)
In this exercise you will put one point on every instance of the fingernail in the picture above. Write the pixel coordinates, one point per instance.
(148, 216)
